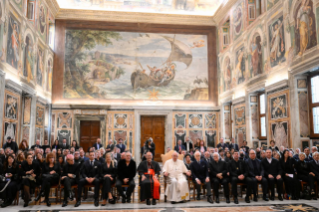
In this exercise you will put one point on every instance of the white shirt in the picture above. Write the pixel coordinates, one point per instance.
(269, 160)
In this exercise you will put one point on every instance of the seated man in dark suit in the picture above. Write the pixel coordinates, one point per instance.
(200, 175)
(90, 175)
(179, 147)
(256, 174)
(308, 155)
(314, 166)
(99, 157)
(222, 144)
(110, 146)
(273, 172)
(218, 175)
(37, 144)
(233, 145)
(188, 145)
(120, 145)
(238, 174)
(64, 144)
(98, 144)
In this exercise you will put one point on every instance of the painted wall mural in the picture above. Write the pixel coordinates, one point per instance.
(40, 66)
(240, 133)
(29, 58)
(271, 3)
(237, 20)
(27, 110)
(305, 33)
(227, 74)
(256, 56)
(240, 123)
(227, 125)
(49, 74)
(277, 48)
(239, 75)
(180, 135)
(14, 42)
(279, 132)
(42, 20)
(127, 65)
(278, 107)
(240, 115)
(254, 121)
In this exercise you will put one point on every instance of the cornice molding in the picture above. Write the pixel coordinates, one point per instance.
(222, 10)
(111, 16)
(277, 85)
(53, 6)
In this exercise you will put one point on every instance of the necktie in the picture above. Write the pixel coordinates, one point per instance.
(92, 163)
(98, 146)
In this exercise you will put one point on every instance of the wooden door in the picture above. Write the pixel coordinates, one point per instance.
(89, 132)
(154, 126)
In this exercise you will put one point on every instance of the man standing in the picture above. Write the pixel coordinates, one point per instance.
(256, 174)
(64, 144)
(151, 147)
(179, 147)
(245, 147)
(126, 173)
(90, 175)
(13, 145)
(177, 190)
(150, 186)
(110, 146)
(233, 145)
(199, 169)
(188, 145)
(218, 175)
(98, 144)
(273, 172)
(238, 174)
(222, 144)
(70, 176)
(36, 145)
(120, 145)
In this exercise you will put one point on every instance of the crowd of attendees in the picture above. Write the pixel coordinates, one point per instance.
(24, 168)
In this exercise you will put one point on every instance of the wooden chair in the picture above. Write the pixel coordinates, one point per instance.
(16, 200)
(195, 190)
(303, 183)
(139, 188)
(56, 187)
(241, 189)
(75, 187)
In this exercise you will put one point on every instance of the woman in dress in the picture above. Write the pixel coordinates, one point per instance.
(108, 173)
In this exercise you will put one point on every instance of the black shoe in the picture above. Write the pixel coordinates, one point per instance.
(173, 202)
(48, 202)
(65, 203)
(112, 201)
(96, 203)
(235, 200)
(272, 198)
(153, 201)
(77, 204)
(247, 200)
(210, 200)
(255, 198)
(26, 204)
(71, 197)
(123, 199)
(280, 198)
(217, 199)
(128, 200)
(148, 202)
(227, 200)
(38, 197)
(265, 198)
(6, 203)
(198, 197)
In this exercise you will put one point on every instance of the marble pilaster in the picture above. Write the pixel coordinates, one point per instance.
(33, 119)
(2, 87)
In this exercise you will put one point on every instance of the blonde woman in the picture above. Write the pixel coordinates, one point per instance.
(108, 173)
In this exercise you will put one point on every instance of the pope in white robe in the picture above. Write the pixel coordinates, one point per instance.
(177, 187)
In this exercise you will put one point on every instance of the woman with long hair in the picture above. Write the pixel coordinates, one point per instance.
(75, 145)
(61, 160)
(24, 145)
(196, 145)
(108, 173)
(50, 176)
(40, 160)
(10, 172)
(291, 181)
(202, 147)
(59, 152)
(56, 144)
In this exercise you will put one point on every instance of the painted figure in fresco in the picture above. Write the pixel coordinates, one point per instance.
(304, 27)
(278, 109)
(227, 74)
(13, 44)
(280, 134)
(277, 46)
(240, 67)
(11, 108)
(237, 19)
(9, 130)
(256, 56)
(42, 23)
(40, 67)
(28, 59)
(49, 83)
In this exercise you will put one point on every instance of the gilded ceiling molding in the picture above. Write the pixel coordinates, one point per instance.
(53, 6)
(222, 10)
(111, 16)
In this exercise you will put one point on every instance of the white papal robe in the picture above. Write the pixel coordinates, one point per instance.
(177, 187)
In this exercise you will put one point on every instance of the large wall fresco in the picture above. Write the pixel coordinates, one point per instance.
(130, 65)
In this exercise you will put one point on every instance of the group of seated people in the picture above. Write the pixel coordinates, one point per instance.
(25, 169)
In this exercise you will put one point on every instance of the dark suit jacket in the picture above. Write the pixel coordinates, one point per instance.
(233, 146)
(177, 148)
(126, 171)
(190, 146)
(250, 168)
(216, 168)
(91, 171)
(85, 159)
(224, 145)
(54, 146)
(276, 148)
(67, 146)
(314, 168)
(102, 160)
(123, 147)
(95, 146)
(288, 166)
(33, 146)
(71, 169)
(199, 170)
(309, 158)
(234, 172)
(272, 168)
(110, 146)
